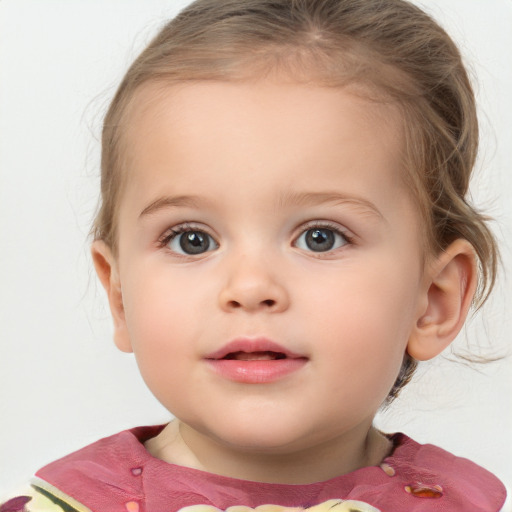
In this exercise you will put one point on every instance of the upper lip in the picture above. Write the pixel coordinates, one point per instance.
(251, 345)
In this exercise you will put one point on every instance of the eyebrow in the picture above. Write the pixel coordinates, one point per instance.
(317, 198)
(286, 199)
(163, 203)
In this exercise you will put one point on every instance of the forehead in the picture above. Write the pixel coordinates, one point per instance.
(179, 97)
(253, 118)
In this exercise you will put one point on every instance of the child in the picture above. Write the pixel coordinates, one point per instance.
(283, 234)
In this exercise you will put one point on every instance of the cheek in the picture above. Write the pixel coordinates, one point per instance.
(159, 328)
(366, 314)
(158, 317)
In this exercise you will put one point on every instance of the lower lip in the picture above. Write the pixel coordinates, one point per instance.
(256, 372)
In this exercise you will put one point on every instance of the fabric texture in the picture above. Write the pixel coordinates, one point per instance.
(117, 474)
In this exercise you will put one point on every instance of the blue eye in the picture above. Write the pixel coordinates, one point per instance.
(321, 239)
(190, 242)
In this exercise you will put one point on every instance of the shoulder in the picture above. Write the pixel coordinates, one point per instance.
(104, 468)
(426, 470)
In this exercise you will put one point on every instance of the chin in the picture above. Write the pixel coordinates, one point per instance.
(265, 437)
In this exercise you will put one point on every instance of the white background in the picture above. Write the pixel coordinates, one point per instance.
(62, 382)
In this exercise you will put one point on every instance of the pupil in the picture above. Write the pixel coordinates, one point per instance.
(319, 240)
(194, 242)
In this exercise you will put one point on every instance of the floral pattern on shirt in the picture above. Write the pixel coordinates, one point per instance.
(36, 499)
(326, 506)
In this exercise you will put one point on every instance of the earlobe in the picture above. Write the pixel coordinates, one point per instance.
(449, 291)
(107, 270)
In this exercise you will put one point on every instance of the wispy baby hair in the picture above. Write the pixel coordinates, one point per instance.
(388, 50)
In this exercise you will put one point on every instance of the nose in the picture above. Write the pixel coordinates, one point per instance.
(253, 286)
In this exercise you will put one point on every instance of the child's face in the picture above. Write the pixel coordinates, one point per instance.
(293, 233)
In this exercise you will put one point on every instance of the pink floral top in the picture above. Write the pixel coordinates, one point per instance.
(117, 474)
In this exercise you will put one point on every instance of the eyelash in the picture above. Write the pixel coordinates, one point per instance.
(175, 231)
(335, 228)
(172, 233)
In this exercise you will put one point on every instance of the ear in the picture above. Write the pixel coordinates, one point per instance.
(106, 267)
(449, 290)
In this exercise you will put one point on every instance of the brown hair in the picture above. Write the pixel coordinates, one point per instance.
(391, 47)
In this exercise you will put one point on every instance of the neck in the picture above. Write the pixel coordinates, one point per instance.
(180, 444)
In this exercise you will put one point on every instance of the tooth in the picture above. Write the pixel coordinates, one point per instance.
(256, 356)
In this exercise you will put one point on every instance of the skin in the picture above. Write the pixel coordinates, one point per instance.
(264, 162)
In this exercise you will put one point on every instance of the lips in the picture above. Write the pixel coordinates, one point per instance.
(254, 361)
(258, 347)
(255, 356)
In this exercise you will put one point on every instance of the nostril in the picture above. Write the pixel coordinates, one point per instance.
(268, 303)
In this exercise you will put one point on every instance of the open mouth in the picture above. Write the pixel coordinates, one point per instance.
(265, 355)
(257, 349)
(255, 361)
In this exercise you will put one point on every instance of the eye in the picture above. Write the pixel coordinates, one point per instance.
(321, 239)
(189, 241)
